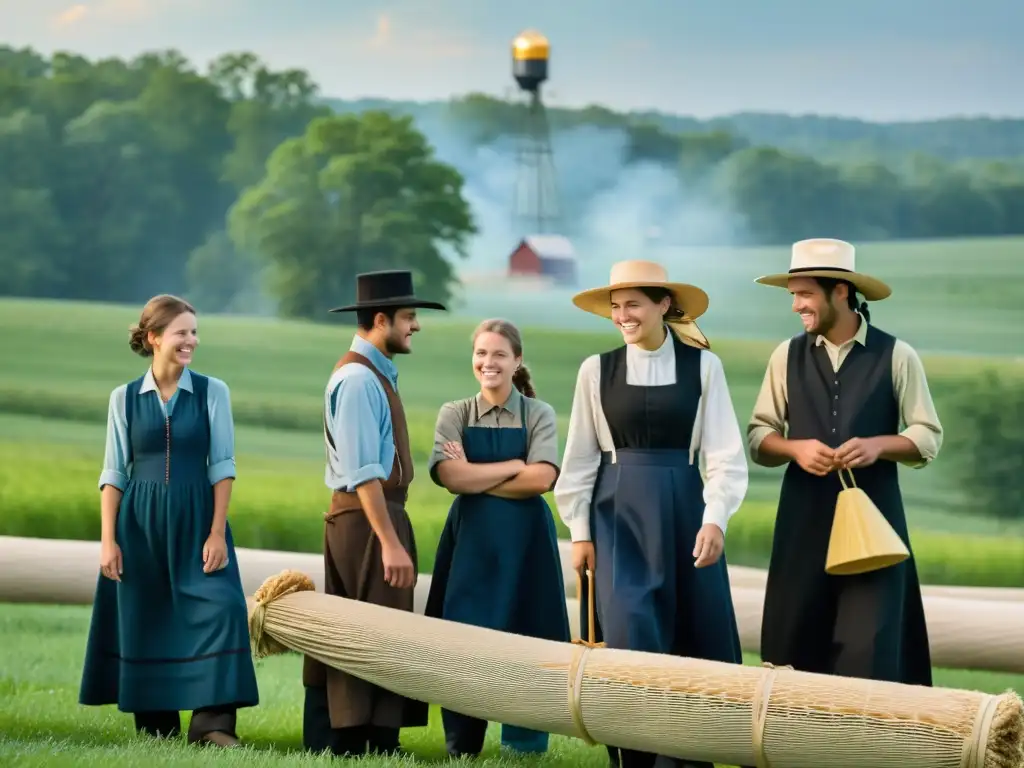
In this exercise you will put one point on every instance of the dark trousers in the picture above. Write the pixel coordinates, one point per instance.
(632, 758)
(464, 735)
(204, 720)
(318, 735)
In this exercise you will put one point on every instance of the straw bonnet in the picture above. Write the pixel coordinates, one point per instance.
(826, 257)
(862, 540)
(647, 274)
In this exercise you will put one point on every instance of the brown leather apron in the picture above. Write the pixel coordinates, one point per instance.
(353, 569)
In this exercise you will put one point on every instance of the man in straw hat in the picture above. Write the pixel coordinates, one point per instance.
(836, 397)
(631, 492)
(369, 547)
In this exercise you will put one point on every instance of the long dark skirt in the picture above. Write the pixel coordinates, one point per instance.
(647, 510)
(169, 637)
(498, 567)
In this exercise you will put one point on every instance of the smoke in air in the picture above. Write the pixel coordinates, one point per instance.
(612, 210)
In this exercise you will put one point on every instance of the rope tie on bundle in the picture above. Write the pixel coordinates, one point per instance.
(759, 710)
(976, 744)
(579, 659)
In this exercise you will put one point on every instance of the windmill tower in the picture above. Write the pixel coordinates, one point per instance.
(536, 210)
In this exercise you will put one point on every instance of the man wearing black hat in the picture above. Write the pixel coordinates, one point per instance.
(369, 547)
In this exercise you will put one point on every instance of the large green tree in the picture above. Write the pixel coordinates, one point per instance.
(115, 172)
(353, 194)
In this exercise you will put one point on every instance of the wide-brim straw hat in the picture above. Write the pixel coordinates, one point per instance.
(827, 257)
(636, 273)
(862, 540)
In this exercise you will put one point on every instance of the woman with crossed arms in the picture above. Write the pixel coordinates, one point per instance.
(497, 563)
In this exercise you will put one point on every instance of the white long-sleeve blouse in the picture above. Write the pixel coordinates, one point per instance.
(716, 440)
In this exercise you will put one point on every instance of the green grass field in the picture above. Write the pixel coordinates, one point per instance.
(41, 723)
(956, 300)
(959, 296)
(53, 401)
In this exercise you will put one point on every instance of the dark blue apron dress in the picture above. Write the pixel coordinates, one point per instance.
(169, 637)
(646, 511)
(498, 567)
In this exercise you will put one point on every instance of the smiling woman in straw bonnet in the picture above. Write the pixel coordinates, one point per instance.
(835, 398)
(631, 490)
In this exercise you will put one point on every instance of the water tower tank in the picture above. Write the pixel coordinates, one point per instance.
(530, 54)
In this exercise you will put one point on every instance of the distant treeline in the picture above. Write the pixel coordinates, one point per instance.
(845, 187)
(119, 179)
(823, 137)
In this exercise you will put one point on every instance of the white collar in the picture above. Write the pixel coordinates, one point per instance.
(149, 382)
(664, 350)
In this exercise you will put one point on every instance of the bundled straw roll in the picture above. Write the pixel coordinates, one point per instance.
(688, 708)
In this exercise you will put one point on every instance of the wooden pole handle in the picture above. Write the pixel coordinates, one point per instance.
(591, 623)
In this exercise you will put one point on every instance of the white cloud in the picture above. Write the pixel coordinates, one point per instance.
(104, 13)
(71, 15)
(381, 37)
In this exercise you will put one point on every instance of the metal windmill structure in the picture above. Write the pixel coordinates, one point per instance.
(536, 203)
(537, 208)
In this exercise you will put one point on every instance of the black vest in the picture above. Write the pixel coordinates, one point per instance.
(651, 418)
(858, 400)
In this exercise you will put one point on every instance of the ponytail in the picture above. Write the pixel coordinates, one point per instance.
(864, 311)
(828, 285)
(521, 381)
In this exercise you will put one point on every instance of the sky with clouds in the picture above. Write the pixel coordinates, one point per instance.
(874, 59)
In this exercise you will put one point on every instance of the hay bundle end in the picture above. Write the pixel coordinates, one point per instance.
(1006, 744)
(272, 589)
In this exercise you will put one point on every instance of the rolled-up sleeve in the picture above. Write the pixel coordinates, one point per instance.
(771, 410)
(221, 458)
(116, 452)
(543, 436)
(917, 411)
(358, 409)
(447, 429)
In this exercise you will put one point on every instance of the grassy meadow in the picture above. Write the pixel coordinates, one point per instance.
(67, 357)
(955, 302)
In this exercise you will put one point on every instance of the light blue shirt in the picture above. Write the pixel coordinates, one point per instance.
(221, 458)
(359, 416)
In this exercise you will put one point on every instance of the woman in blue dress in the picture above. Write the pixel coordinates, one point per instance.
(654, 468)
(169, 627)
(497, 563)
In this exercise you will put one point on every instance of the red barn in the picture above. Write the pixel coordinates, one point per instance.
(549, 256)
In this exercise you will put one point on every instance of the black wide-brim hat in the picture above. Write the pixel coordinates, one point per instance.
(386, 289)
